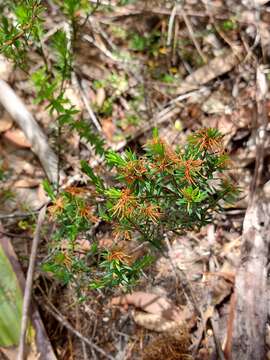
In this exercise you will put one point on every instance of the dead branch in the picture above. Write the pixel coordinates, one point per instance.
(29, 282)
(251, 288)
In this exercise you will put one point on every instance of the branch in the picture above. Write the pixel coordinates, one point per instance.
(29, 283)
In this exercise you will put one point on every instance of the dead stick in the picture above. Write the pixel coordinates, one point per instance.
(191, 33)
(29, 283)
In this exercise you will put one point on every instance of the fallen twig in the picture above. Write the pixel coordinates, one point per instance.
(86, 103)
(191, 33)
(29, 282)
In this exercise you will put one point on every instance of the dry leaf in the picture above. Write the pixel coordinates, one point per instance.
(17, 137)
(28, 197)
(216, 67)
(108, 128)
(26, 183)
(5, 123)
(260, 2)
(216, 103)
(155, 322)
(41, 193)
(151, 303)
(100, 97)
(74, 98)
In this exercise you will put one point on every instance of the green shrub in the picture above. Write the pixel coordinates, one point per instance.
(163, 190)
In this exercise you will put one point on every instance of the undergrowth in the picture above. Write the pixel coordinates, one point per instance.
(161, 191)
(164, 190)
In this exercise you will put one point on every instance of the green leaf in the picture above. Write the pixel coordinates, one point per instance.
(155, 133)
(11, 300)
(115, 159)
(86, 132)
(49, 189)
(89, 172)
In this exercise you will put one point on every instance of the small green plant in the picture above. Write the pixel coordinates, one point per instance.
(229, 25)
(149, 42)
(163, 190)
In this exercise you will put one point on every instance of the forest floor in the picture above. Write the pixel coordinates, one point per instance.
(140, 65)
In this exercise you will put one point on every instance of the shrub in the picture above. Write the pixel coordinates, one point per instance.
(163, 190)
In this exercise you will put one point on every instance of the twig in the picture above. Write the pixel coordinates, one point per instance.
(131, 10)
(94, 23)
(86, 103)
(70, 328)
(170, 25)
(202, 90)
(191, 33)
(29, 282)
(84, 350)
(102, 2)
(9, 234)
(103, 49)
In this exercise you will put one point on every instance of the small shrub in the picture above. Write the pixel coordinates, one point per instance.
(163, 190)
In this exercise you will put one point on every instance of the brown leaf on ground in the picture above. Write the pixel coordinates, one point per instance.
(100, 97)
(216, 67)
(108, 128)
(26, 183)
(17, 137)
(155, 322)
(151, 303)
(6, 67)
(5, 123)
